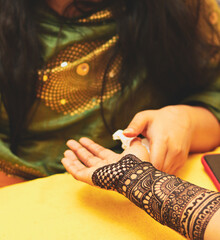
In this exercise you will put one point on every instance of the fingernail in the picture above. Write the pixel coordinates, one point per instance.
(128, 130)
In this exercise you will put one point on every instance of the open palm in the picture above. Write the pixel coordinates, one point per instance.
(85, 156)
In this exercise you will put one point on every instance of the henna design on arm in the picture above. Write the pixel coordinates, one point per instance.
(180, 205)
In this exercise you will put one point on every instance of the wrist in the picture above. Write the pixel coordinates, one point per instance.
(180, 205)
(109, 176)
(205, 129)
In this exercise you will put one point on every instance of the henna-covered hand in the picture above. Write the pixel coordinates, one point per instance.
(180, 205)
(173, 202)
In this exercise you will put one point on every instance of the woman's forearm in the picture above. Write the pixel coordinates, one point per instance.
(180, 205)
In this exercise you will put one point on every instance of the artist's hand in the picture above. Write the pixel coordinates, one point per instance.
(169, 131)
(85, 156)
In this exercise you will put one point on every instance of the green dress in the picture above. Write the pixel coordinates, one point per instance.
(68, 96)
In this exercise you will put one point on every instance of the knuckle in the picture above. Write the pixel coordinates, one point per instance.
(98, 148)
(177, 151)
(94, 145)
(161, 140)
(87, 161)
(102, 151)
(79, 150)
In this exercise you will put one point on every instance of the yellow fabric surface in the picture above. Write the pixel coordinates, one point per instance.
(60, 208)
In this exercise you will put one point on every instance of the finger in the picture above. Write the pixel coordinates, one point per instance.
(136, 142)
(72, 164)
(78, 170)
(138, 124)
(98, 150)
(175, 158)
(158, 152)
(173, 169)
(139, 149)
(70, 155)
(83, 154)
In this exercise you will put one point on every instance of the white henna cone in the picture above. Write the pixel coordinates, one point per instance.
(126, 141)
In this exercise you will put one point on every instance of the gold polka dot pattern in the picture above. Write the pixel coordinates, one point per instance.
(97, 17)
(20, 170)
(82, 69)
(72, 81)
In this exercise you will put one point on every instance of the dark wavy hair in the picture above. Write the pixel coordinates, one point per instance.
(162, 37)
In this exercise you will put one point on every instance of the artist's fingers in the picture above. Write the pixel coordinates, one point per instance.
(158, 151)
(140, 150)
(136, 142)
(175, 158)
(83, 154)
(138, 124)
(98, 150)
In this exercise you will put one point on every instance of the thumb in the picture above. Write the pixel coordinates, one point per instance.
(136, 148)
(138, 124)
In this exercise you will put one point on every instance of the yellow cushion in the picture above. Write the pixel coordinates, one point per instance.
(60, 208)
